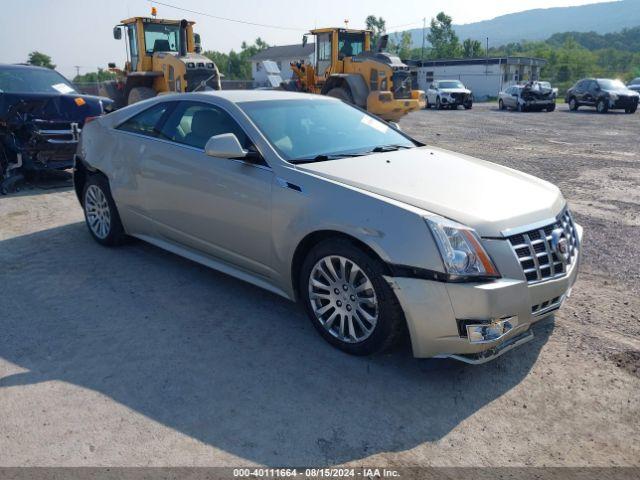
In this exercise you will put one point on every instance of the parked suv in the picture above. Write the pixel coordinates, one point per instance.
(634, 85)
(603, 93)
(449, 93)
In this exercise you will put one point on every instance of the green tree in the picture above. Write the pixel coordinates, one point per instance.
(401, 46)
(471, 48)
(39, 59)
(94, 77)
(443, 39)
(378, 26)
(237, 65)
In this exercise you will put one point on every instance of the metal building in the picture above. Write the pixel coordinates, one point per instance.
(485, 77)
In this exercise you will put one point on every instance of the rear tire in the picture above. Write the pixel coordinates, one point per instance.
(468, 105)
(341, 93)
(551, 108)
(573, 104)
(501, 105)
(438, 104)
(355, 312)
(100, 212)
(521, 108)
(138, 94)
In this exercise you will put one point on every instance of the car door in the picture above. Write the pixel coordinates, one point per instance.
(218, 206)
(594, 92)
(581, 91)
(130, 141)
(510, 99)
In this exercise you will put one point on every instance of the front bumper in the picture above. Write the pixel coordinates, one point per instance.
(438, 313)
(383, 104)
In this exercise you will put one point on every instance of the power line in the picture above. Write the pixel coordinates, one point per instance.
(244, 22)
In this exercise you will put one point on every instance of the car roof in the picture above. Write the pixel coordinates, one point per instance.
(20, 66)
(238, 96)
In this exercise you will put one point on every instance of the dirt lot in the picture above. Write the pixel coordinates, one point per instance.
(134, 356)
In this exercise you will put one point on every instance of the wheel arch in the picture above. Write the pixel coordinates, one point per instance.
(81, 171)
(314, 238)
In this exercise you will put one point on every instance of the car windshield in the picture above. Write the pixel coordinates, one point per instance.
(608, 84)
(320, 129)
(635, 81)
(33, 80)
(451, 84)
(161, 38)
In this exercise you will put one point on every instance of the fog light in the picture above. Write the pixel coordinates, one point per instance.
(490, 332)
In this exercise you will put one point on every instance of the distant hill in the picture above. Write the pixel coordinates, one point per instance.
(542, 23)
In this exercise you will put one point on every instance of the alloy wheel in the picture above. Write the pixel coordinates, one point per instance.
(343, 299)
(98, 212)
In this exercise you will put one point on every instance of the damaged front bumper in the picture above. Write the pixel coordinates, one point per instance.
(477, 322)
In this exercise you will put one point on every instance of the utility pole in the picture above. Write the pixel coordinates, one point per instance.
(487, 57)
(77, 67)
(424, 29)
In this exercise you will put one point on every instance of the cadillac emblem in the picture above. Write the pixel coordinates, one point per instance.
(560, 245)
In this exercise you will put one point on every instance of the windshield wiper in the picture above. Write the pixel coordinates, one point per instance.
(388, 148)
(324, 157)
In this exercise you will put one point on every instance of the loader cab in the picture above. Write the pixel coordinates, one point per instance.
(146, 36)
(333, 45)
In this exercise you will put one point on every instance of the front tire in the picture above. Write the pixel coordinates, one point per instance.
(521, 107)
(438, 104)
(100, 212)
(347, 299)
(341, 93)
(501, 105)
(468, 105)
(631, 109)
(138, 94)
(551, 107)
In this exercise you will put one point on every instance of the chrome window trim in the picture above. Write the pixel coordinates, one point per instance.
(200, 150)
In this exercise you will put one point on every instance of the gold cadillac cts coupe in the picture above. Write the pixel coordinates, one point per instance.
(373, 232)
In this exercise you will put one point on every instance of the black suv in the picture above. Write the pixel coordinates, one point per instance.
(604, 94)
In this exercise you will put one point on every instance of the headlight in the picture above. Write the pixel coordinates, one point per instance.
(613, 97)
(461, 250)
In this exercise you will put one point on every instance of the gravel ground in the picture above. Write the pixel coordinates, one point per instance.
(136, 357)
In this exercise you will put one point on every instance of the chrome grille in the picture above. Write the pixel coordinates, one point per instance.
(537, 258)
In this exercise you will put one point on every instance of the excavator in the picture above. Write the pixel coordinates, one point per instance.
(163, 56)
(347, 68)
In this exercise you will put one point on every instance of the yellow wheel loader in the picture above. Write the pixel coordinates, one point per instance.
(163, 56)
(347, 68)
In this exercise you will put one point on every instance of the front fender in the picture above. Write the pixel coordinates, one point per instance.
(396, 232)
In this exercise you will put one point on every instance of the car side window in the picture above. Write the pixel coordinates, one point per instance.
(145, 122)
(193, 124)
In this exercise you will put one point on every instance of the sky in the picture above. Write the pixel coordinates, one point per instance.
(79, 32)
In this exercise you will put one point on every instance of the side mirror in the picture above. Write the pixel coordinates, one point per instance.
(111, 65)
(395, 125)
(304, 40)
(117, 33)
(225, 146)
(197, 42)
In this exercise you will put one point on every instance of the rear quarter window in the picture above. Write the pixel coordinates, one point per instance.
(145, 122)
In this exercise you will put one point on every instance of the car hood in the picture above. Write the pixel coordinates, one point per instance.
(72, 107)
(480, 194)
(454, 90)
(621, 91)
